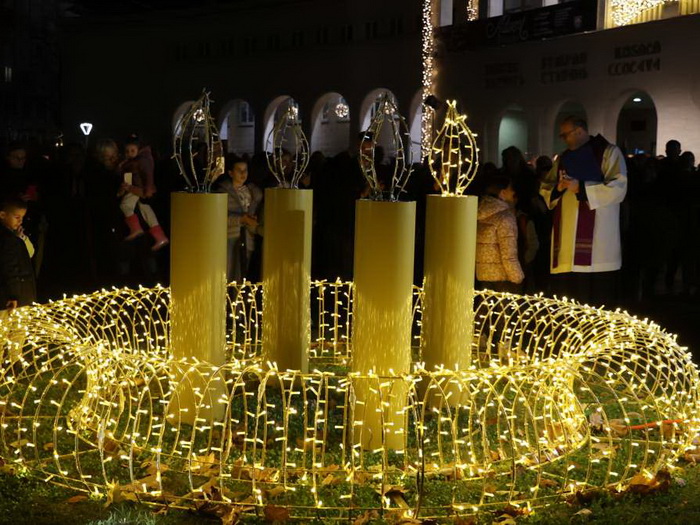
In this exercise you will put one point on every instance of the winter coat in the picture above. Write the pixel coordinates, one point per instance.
(497, 242)
(17, 282)
(141, 167)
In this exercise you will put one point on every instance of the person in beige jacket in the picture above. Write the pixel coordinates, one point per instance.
(497, 264)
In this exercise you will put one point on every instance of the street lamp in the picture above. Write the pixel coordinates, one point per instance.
(86, 128)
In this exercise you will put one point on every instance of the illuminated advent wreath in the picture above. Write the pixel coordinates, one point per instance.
(560, 397)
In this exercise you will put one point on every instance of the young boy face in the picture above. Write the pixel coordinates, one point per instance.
(12, 218)
(131, 150)
(239, 173)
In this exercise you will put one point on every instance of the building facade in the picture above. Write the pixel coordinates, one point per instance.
(138, 72)
(628, 70)
(29, 70)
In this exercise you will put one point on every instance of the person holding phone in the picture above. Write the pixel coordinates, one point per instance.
(584, 188)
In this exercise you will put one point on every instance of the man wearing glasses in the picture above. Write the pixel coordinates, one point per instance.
(584, 188)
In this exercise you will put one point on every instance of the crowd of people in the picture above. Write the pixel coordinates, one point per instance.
(590, 222)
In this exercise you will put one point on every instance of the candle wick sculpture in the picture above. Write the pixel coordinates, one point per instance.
(290, 150)
(198, 266)
(197, 148)
(383, 278)
(286, 269)
(450, 246)
(387, 119)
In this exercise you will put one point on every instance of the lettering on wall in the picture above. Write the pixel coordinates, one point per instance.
(564, 68)
(636, 58)
(503, 75)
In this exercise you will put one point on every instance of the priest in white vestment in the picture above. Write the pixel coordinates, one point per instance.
(584, 189)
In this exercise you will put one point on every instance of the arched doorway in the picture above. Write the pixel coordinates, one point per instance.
(568, 109)
(367, 111)
(512, 130)
(637, 125)
(238, 127)
(274, 111)
(179, 113)
(330, 133)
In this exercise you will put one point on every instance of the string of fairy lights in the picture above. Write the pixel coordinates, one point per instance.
(560, 397)
(428, 74)
(454, 156)
(624, 12)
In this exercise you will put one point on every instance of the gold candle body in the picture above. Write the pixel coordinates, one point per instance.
(450, 258)
(287, 277)
(198, 301)
(382, 318)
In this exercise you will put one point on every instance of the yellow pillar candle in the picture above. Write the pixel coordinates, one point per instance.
(198, 298)
(287, 277)
(450, 256)
(382, 315)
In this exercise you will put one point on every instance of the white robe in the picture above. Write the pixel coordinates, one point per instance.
(603, 197)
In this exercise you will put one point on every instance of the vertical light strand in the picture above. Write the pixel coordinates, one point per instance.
(428, 55)
(472, 10)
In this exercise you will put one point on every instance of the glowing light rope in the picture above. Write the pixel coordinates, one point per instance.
(560, 397)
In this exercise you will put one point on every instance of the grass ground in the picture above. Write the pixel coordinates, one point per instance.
(24, 500)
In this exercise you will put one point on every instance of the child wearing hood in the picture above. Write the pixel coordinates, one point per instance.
(497, 264)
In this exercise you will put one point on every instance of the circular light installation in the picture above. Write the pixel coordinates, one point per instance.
(560, 397)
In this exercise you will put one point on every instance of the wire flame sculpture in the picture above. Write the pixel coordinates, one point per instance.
(387, 115)
(198, 150)
(560, 398)
(290, 171)
(453, 156)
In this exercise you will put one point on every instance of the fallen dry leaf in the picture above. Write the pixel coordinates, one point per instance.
(231, 517)
(618, 427)
(466, 520)
(116, 494)
(276, 491)
(692, 456)
(366, 517)
(668, 430)
(330, 479)
(548, 483)
(644, 484)
(152, 467)
(274, 514)
(204, 465)
(77, 499)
